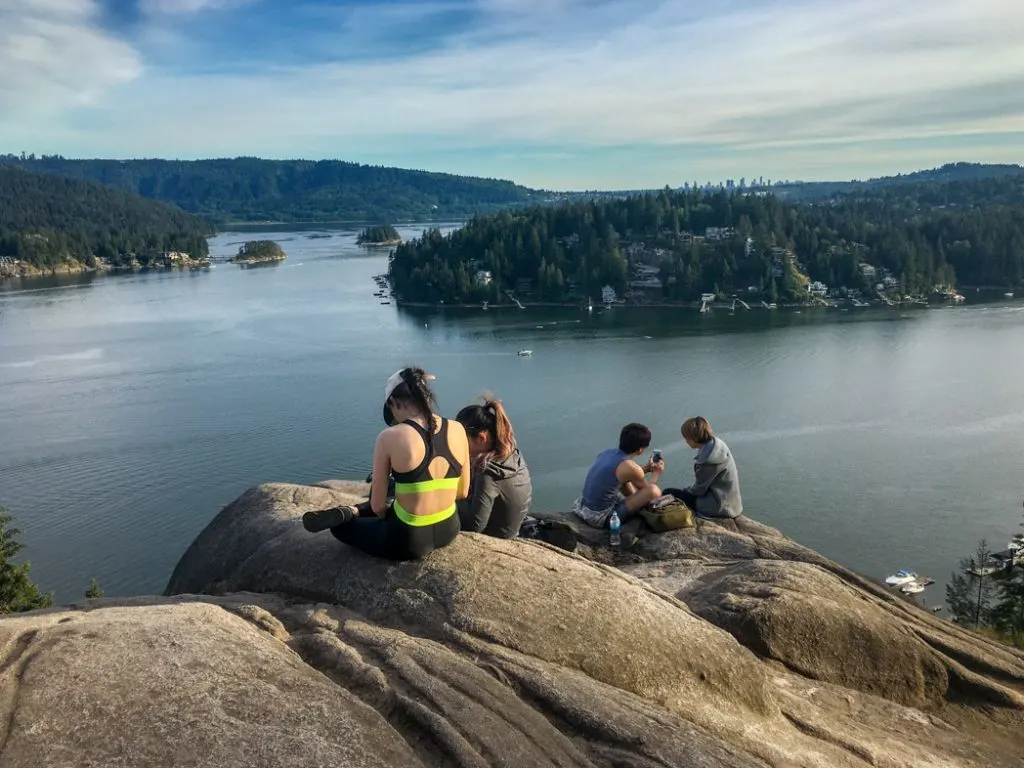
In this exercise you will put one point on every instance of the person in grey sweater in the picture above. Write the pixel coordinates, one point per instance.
(715, 492)
(500, 490)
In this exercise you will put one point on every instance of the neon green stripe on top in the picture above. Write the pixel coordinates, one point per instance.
(420, 521)
(443, 484)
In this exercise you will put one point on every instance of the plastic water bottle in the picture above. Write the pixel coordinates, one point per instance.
(613, 526)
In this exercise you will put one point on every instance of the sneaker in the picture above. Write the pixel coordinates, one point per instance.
(322, 519)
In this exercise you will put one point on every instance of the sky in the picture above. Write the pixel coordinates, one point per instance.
(555, 94)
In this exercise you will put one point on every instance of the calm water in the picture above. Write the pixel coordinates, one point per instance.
(134, 407)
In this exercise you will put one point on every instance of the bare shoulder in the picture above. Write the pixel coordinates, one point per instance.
(628, 470)
(456, 430)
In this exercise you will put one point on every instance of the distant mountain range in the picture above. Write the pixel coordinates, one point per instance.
(248, 189)
(946, 174)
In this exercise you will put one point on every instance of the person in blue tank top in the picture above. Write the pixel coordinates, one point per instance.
(616, 482)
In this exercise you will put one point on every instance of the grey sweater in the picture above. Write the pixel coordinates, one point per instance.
(717, 483)
(499, 498)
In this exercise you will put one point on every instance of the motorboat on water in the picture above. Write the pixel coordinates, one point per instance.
(900, 578)
(525, 352)
(1008, 295)
(916, 586)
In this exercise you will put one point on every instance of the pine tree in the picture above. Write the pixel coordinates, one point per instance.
(94, 589)
(17, 591)
(969, 592)
(1008, 613)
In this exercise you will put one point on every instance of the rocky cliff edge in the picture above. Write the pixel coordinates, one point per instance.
(726, 645)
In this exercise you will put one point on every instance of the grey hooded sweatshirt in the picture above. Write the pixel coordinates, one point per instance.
(717, 483)
(499, 497)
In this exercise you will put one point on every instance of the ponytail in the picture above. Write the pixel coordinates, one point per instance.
(415, 390)
(491, 418)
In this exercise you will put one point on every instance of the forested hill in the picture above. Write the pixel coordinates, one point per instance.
(47, 220)
(965, 184)
(251, 189)
(690, 243)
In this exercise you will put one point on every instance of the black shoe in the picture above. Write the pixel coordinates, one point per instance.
(322, 519)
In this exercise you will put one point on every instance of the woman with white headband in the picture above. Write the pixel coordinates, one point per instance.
(428, 457)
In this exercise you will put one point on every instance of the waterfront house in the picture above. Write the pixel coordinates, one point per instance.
(817, 288)
(484, 277)
(608, 295)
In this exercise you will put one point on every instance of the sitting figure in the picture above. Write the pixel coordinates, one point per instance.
(715, 492)
(428, 458)
(500, 490)
(617, 483)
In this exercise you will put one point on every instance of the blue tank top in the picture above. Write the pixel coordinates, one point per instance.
(601, 488)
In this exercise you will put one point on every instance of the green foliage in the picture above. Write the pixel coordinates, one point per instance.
(383, 234)
(251, 189)
(17, 591)
(769, 244)
(259, 250)
(94, 589)
(47, 221)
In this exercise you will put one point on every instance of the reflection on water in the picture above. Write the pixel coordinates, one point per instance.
(135, 406)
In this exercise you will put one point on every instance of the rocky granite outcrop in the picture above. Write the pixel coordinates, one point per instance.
(727, 645)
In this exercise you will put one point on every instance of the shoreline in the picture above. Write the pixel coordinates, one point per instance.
(661, 305)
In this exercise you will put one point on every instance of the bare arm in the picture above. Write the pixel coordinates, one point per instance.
(381, 474)
(461, 452)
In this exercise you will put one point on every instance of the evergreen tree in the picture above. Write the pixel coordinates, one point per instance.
(1008, 614)
(969, 592)
(17, 591)
(94, 589)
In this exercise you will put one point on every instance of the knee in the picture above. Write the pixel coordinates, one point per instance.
(655, 492)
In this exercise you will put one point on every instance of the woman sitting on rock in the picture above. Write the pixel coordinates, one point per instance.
(428, 457)
(501, 491)
(715, 492)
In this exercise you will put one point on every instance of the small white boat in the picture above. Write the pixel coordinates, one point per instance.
(1008, 295)
(485, 306)
(525, 352)
(916, 586)
(901, 577)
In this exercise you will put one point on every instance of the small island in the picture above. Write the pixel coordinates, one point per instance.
(258, 252)
(383, 235)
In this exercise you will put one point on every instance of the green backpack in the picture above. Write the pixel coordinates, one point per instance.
(668, 515)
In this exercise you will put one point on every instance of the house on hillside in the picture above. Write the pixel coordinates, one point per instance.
(817, 288)
(717, 234)
(608, 295)
(867, 270)
(484, 277)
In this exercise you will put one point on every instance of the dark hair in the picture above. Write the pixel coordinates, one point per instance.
(415, 391)
(492, 419)
(634, 437)
(698, 429)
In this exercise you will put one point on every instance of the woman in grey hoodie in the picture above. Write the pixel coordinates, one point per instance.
(500, 489)
(716, 488)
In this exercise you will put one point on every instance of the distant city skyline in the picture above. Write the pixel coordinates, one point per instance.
(554, 94)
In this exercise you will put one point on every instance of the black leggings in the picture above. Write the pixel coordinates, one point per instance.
(390, 538)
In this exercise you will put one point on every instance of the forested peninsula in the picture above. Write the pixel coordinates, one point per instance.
(49, 223)
(913, 239)
(249, 189)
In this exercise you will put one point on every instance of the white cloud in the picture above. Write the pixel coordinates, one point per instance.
(738, 78)
(183, 7)
(54, 54)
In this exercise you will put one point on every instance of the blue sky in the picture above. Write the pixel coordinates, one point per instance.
(551, 93)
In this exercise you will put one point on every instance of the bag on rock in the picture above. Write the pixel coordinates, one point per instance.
(667, 514)
(553, 532)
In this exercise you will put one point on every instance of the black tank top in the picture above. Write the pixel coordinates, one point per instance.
(436, 445)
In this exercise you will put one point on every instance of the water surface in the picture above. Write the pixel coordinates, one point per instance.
(134, 407)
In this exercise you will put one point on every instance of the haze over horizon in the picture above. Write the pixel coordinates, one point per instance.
(556, 94)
